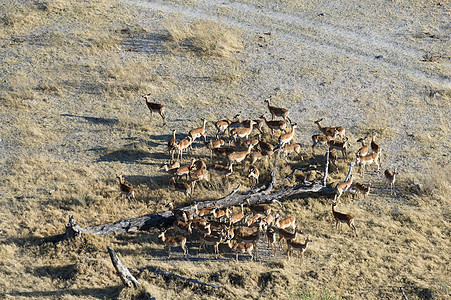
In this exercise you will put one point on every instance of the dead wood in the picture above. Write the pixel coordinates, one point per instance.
(122, 271)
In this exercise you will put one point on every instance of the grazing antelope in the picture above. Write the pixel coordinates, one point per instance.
(275, 125)
(343, 218)
(290, 148)
(241, 248)
(237, 217)
(194, 176)
(213, 145)
(126, 189)
(254, 173)
(172, 168)
(286, 235)
(171, 144)
(368, 159)
(223, 170)
(364, 149)
(331, 131)
(183, 145)
(184, 170)
(360, 188)
(390, 179)
(242, 133)
(319, 139)
(182, 187)
(278, 111)
(287, 137)
(258, 208)
(155, 107)
(182, 227)
(212, 240)
(285, 223)
(341, 146)
(198, 132)
(222, 126)
(174, 242)
(239, 156)
(343, 188)
(206, 211)
(296, 246)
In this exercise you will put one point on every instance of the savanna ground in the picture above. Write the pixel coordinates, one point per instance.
(72, 73)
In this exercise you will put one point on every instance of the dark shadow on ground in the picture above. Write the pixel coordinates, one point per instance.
(111, 292)
(94, 120)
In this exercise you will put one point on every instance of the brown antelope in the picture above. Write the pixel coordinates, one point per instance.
(236, 123)
(212, 240)
(203, 229)
(253, 220)
(343, 188)
(183, 145)
(126, 189)
(219, 213)
(375, 146)
(319, 139)
(287, 137)
(290, 148)
(206, 211)
(271, 239)
(331, 131)
(250, 239)
(256, 156)
(222, 126)
(174, 242)
(278, 111)
(218, 225)
(237, 217)
(343, 218)
(360, 188)
(242, 133)
(341, 146)
(390, 179)
(199, 164)
(198, 132)
(171, 144)
(213, 145)
(259, 209)
(182, 187)
(286, 235)
(182, 227)
(245, 143)
(296, 246)
(223, 151)
(223, 170)
(155, 107)
(254, 173)
(179, 214)
(198, 175)
(184, 170)
(239, 156)
(364, 149)
(172, 168)
(333, 157)
(368, 159)
(268, 220)
(264, 146)
(241, 248)
(285, 223)
(275, 125)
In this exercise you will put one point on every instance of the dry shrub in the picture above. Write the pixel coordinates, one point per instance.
(207, 38)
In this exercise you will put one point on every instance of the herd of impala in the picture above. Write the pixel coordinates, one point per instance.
(241, 231)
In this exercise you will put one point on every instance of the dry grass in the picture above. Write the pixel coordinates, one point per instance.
(72, 118)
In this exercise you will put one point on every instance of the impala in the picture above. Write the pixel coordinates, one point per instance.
(198, 132)
(287, 137)
(290, 148)
(183, 145)
(222, 126)
(182, 187)
(237, 217)
(277, 111)
(285, 223)
(242, 132)
(341, 146)
(375, 146)
(126, 189)
(174, 242)
(155, 107)
(296, 246)
(208, 239)
(171, 144)
(259, 209)
(368, 159)
(364, 149)
(390, 179)
(331, 131)
(275, 125)
(239, 156)
(241, 248)
(319, 139)
(254, 173)
(360, 188)
(343, 188)
(343, 218)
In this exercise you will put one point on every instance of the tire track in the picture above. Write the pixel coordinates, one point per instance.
(299, 29)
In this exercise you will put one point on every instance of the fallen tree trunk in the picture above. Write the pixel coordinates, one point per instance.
(124, 274)
(167, 218)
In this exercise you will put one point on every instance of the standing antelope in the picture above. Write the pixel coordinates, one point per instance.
(343, 188)
(182, 187)
(285, 223)
(206, 211)
(183, 145)
(278, 111)
(360, 188)
(368, 160)
(286, 235)
(174, 242)
(287, 137)
(223, 170)
(172, 168)
(171, 144)
(213, 145)
(343, 218)
(259, 209)
(182, 227)
(208, 239)
(341, 146)
(184, 170)
(364, 149)
(242, 132)
(239, 156)
(271, 239)
(155, 107)
(390, 179)
(290, 148)
(126, 189)
(237, 217)
(222, 126)
(375, 147)
(296, 246)
(194, 176)
(319, 139)
(198, 132)
(254, 173)
(331, 131)
(275, 125)
(241, 248)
